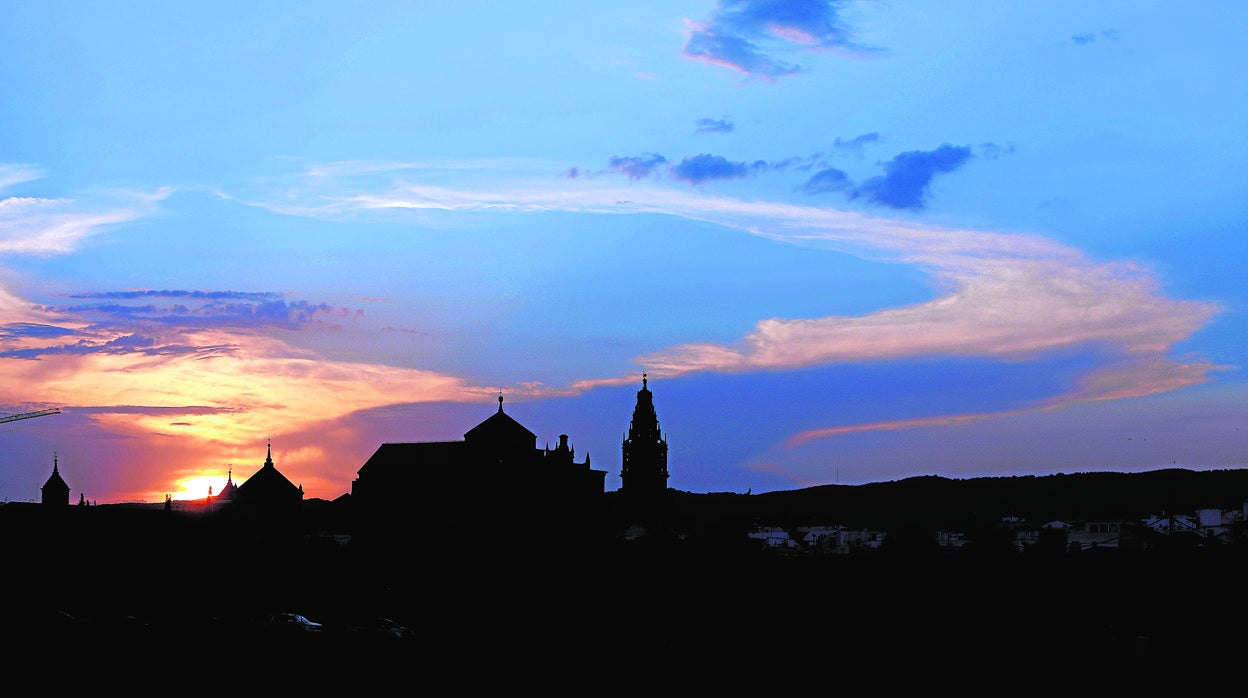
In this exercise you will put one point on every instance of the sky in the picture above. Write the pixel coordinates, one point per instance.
(846, 242)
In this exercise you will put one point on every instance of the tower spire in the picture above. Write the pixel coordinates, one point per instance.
(644, 468)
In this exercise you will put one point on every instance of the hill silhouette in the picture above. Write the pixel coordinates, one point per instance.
(972, 502)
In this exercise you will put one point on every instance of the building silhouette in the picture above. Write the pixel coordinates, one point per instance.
(55, 491)
(496, 474)
(266, 492)
(644, 470)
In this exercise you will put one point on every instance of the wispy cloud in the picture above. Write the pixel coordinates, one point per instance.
(15, 173)
(204, 309)
(1000, 295)
(1130, 378)
(828, 180)
(750, 35)
(213, 367)
(32, 225)
(997, 295)
(857, 143)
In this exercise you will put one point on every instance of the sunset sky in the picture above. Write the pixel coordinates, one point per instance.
(848, 242)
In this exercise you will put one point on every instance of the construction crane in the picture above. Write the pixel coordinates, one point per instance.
(28, 415)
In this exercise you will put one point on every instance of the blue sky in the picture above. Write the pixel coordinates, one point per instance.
(848, 242)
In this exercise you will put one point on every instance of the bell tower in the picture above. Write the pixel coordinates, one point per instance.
(645, 450)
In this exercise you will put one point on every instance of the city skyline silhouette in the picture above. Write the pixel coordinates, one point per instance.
(830, 336)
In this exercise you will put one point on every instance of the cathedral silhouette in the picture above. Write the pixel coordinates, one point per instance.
(497, 474)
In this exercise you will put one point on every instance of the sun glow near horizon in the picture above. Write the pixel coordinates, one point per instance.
(198, 487)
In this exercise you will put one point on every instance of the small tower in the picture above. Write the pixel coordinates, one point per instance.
(227, 492)
(55, 491)
(644, 471)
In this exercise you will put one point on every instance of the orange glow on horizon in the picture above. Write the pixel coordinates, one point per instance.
(198, 487)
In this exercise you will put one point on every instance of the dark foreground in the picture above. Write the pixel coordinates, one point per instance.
(623, 616)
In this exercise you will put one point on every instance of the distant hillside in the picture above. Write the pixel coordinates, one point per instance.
(984, 501)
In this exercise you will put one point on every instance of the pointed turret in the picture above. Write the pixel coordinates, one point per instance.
(55, 490)
(227, 492)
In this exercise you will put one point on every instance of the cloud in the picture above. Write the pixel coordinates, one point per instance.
(15, 173)
(733, 52)
(714, 126)
(1086, 38)
(857, 143)
(745, 35)
(1001, 296)
(1131, 378)
(829, 180)
(696, 169)
(205, 309)
(999, 306)
(26, 330)
(636, 167)
(178, 410)
(131, 323)
(32, 225)
(209, 360)
(907, 176)
(706, 167)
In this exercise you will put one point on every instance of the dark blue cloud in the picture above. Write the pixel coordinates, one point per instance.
(18, 330)
(857, 143)
(198, 295)
(1089, 37)
(829, 180)
(125, 344)
(201, 309)
(736, 32)
(714, 126)
(149, 322)
(737, 53)
(636, 167)
(705, 167)
(907, 176)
